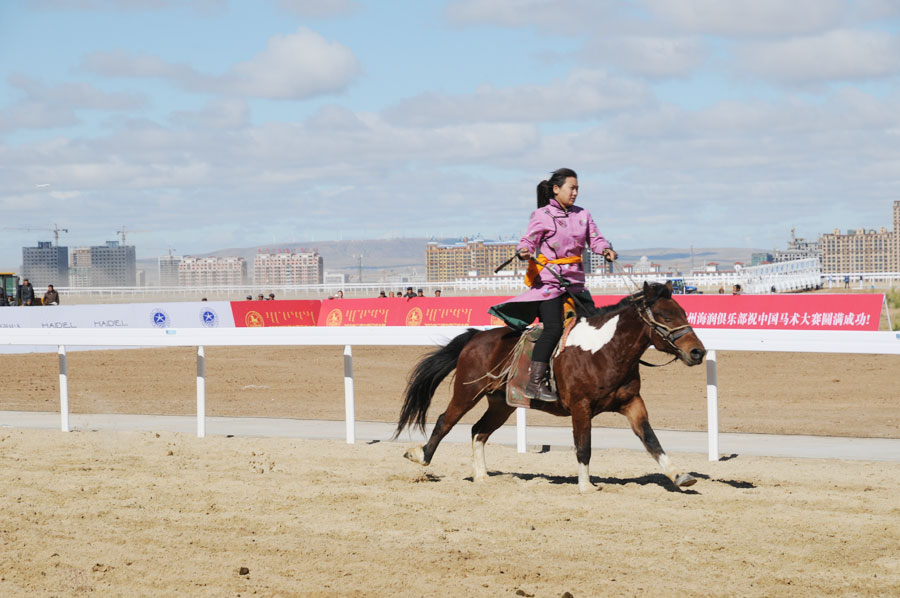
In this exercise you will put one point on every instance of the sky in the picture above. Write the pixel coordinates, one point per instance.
(234, 123)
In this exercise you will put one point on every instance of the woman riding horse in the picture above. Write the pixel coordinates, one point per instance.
(598, 370)
(558, 232)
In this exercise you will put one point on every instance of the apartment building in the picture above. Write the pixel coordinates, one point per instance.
(288, 268)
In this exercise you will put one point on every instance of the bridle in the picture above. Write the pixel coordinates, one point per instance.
(669, 334)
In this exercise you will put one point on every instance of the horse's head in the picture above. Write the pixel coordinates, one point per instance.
(669, 328)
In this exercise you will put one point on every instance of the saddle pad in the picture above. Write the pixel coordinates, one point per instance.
(517, 378)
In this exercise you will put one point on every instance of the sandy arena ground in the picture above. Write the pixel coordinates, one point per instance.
(147, 514)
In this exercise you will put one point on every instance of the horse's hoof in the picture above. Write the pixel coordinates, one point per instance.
(684, 480)
(416, 455)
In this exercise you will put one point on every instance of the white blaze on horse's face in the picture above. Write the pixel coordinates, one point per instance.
(588, 338)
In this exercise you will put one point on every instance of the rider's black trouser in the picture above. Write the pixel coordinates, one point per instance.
(550, 313)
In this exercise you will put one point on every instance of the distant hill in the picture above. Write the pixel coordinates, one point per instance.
(388, 258)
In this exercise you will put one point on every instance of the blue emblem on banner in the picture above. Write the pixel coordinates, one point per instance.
(209, 318)
(159, 318)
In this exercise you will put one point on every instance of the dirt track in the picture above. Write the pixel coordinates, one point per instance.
(147, 514)
(141, 514)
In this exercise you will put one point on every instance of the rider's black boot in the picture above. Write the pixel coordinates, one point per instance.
(538, 387)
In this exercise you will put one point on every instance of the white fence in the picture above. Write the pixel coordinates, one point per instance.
(714, 340)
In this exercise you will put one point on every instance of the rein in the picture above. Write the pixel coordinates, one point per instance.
(667, 333)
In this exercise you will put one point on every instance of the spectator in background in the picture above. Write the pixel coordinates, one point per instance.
(721, 290)
(3, 300)
(271, 296)
(437, 293)
(249, 297)
(51, 297)
(260, 297)
(381, 295)
(409, 293)
(392, 294)
(339, 295)
(26, 293)
(419, 293)
(204, 299)
(736, 290)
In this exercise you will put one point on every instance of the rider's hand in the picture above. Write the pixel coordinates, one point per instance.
(524, 255)
(610, 255)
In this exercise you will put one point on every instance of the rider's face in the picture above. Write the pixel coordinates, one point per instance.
(566, 194)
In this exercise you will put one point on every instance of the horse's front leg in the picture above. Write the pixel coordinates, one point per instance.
(581, 431)
(636, 412)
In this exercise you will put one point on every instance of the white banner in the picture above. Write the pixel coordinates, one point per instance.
(196, 314)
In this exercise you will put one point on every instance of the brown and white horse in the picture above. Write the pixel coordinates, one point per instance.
(597, 370)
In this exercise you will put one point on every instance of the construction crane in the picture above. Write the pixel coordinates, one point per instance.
(55, 230)
(123, 232)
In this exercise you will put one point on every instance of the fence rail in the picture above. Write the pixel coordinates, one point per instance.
(714, 340)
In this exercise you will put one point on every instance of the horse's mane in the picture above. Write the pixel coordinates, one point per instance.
(658, 291)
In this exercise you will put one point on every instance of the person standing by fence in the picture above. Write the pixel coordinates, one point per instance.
(26, 293)
(51, 297)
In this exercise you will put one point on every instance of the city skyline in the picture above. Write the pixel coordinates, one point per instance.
(220, 124)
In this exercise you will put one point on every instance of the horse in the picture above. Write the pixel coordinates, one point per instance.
(596, 370)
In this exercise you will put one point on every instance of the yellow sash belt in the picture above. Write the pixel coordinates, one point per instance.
(537, 264)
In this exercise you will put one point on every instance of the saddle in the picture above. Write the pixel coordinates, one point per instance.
(520, 362)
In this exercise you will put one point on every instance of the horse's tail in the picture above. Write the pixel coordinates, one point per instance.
(425, 379)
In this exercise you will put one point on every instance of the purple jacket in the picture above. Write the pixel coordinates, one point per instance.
(557, 233)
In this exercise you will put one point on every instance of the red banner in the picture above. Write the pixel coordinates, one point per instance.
(252, 314)
(416, 311)
(812, 311)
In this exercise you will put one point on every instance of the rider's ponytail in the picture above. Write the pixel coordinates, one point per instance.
(545, 188)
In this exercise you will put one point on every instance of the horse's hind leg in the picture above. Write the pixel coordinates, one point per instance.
(465, 396)
(495, 416)
(636, 412)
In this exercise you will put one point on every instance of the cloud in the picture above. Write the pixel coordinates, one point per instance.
(749, 17)
(317, 8)
(216, 114)
(56, 106)
(550, 15)
(844, 55)
(292, 67)
(584, 94)
(649, 56)
(201, 7)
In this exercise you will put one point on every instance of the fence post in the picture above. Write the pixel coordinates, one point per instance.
(712, 406)
(63, 390)
(520, 429)
(348, 395)
(201, 392)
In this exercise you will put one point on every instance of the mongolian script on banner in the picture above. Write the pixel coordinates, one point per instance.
(415, 311)
(254, 314)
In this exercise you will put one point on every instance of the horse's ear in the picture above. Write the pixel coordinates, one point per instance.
(646, 289)
(667, 290)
